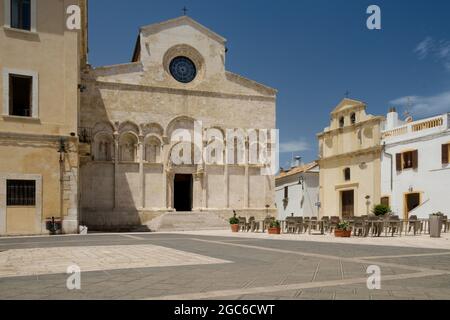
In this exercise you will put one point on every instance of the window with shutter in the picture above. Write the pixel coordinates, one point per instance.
(408, 160)
(399, 161)
(415, 159)
(385, 201)
(445, 153)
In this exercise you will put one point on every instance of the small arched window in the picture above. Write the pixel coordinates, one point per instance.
(128, 147)
(347, 174)
(341, 122)
(353, 118)
(153, 151)
(103, 147)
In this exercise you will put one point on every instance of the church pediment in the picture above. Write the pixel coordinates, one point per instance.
(182, 55)
(348, 104)
(182, 21)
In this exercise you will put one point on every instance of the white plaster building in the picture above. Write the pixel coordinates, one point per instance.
(415, 165)
(297, 191)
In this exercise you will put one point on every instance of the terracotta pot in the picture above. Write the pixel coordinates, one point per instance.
(343, 233)
(274, 230)
(234, 227)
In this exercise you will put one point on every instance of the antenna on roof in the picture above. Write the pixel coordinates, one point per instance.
(407, 113)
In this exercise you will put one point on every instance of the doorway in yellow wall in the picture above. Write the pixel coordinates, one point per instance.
(348, 204)
(412, 201)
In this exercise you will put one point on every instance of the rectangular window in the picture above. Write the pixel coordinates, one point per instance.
(407, 160)
(286, 192)
(445, 153)
(20, 95)
(385, 201)
(21, 14)
(21, 193)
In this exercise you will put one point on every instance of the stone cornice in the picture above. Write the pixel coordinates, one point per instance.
(374, 150)
(250, 83)
(167, 90)
(378, 119)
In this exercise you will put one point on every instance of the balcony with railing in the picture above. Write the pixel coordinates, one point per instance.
(418, 128)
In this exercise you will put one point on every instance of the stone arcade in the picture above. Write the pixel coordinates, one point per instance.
(129, 114)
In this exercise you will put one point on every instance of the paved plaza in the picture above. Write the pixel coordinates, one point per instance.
(221, 265)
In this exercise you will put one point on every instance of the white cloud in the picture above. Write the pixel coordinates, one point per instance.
(425, 106)
(294, 146)
(424, 47)
(439, 50)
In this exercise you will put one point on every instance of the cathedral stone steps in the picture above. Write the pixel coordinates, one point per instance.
(188, 221)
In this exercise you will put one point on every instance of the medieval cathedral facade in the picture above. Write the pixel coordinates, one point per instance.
(123, 174)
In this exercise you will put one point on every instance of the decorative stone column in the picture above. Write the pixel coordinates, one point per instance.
(141, 151)
(170, 175)
(116, 169)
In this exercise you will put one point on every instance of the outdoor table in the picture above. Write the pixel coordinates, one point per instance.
(321, 224)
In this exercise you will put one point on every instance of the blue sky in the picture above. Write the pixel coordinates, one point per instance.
(311, 51)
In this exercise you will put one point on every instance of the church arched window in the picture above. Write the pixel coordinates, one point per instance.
(153, 150)
(103, 147)
(353, 118)
(341, 122)
(128, 147)
(347, 174)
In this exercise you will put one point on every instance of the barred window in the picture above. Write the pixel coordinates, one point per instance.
(21, 192)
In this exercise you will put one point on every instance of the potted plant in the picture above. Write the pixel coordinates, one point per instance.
(343, 230)
(275, 227)
(53, 225)
(381, 210)
(234, 223)
(436, 224)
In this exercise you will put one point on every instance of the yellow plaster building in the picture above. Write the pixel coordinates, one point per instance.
(350, 157)
(40, 61)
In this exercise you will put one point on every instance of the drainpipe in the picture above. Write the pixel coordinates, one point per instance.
(62, 151)
(391, 156)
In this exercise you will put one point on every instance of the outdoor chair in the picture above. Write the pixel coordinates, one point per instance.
(375, 226)
(313, 223)
(334, 221)
(242, 224)
(326, 223)
(291, 225)
(393, 225)
(299, 225)
(306, 223)
(445, 223)
(414, 224)
(359, 226)
(266, 223)
(252, 225)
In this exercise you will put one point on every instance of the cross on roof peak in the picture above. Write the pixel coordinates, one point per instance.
(185, 10)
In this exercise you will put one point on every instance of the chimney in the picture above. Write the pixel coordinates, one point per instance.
(297, 162)
(392, 119)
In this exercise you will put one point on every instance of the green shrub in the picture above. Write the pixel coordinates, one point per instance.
(381, 210)
(343, 226)
(234, 220)
(275, 224)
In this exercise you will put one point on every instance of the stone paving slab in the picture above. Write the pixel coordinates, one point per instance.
(41, 261)
(263, 269)
(408, 241)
